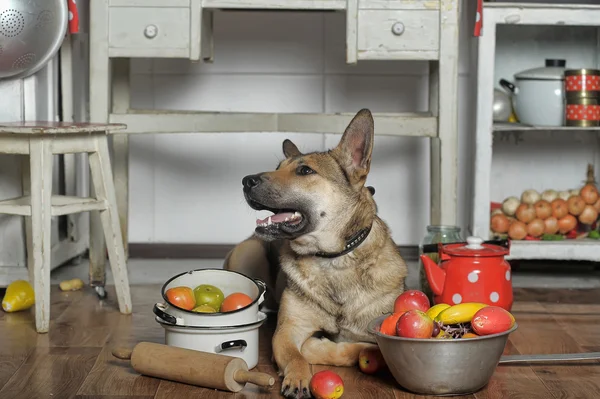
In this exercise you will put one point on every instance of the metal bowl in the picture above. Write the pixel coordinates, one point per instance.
(442, 367)
(31, 33)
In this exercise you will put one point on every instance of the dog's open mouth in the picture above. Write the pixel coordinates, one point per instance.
(289, 219)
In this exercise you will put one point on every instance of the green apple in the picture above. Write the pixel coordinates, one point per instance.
(210, 295)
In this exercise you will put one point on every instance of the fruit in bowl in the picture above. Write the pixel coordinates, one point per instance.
(182, 297)
(418, 351)
(206, 294)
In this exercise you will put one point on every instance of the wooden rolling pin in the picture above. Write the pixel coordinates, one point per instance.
(208, 370)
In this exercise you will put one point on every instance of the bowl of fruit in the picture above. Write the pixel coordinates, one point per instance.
(210, 298)
(442, 349)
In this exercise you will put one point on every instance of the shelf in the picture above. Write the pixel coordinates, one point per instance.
(575, 250)
(547, 6)
(318, 5)
(61, 205)
(519, 127)
(154, 121)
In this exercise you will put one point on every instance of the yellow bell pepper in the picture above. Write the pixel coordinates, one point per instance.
(19, 296)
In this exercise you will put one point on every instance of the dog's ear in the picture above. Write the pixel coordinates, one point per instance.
(290, 150)
(355, 148)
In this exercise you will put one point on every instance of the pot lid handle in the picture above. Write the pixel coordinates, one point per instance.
(474, 243)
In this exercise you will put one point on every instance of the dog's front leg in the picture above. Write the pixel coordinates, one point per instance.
(326, 352)
(295, 324)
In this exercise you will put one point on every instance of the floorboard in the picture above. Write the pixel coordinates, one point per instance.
(74, 360)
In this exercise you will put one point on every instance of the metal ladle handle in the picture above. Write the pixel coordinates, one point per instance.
(562, 357)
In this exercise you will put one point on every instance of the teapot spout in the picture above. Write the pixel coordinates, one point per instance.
(436, 276)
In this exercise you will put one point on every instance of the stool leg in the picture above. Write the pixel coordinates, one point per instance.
(26, 188)
(102, 180)
(40, 163)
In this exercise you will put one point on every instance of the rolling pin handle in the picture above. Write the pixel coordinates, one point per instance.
(260, 379)
(122, 353)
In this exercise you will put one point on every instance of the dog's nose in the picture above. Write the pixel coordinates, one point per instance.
(250, 181)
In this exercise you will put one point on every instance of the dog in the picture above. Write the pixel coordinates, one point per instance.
(328, 260)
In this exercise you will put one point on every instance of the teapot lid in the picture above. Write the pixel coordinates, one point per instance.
(475, 247)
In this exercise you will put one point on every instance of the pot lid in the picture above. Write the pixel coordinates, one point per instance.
(554, 70)
(475, 247)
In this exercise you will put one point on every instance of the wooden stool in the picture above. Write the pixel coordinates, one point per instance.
(41, 140)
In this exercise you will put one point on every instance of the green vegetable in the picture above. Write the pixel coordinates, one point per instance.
(595, 234)
(553, 237)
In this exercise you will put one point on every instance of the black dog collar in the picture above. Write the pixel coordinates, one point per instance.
(351, 244)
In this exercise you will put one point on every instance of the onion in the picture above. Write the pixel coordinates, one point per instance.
(551, 225)
(530, 197)
(559, 208)
(589, 193)
(497, 212)
(549, 195)
(564, 195)
(510, 205)
(543, 209)
(525, 213)
(536, 228)
(575, 204)
(589, 215)
(500, 224)
(517, 230)
(567, 224)
(597, 205)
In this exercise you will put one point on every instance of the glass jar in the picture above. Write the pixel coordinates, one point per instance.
(434, 235)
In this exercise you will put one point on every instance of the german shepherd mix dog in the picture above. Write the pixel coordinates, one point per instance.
(327, 257)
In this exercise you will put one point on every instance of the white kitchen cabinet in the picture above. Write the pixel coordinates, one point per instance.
(582, 48)
(421, 30)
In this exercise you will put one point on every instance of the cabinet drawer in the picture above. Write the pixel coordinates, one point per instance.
(149, 32)
(399, 34)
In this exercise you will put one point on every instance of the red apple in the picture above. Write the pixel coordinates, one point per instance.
(412, 299)
(370, 360)
(414, 324)
(326, 385)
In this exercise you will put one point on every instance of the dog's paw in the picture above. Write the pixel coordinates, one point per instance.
(296, 385)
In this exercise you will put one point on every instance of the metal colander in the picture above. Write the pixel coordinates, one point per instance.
(31, 33)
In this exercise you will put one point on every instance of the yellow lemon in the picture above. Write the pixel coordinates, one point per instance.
(19, 296)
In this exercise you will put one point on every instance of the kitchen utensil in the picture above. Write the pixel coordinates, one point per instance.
(582, 83)
(202, 369)
(238, 341)
(538, 94)
(562, 357)
(31, 33)
(502, 106)
(435, 234)
(582, 112)
(440, 366)
(476, 272)
(226, 280)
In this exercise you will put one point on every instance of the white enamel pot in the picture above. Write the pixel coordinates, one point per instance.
(229, 282)
(538, 94)
(236, 341)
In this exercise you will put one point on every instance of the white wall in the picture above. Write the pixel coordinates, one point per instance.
(186, 188)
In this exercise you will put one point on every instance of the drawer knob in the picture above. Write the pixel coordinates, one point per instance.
(151, 31)
(398, 28)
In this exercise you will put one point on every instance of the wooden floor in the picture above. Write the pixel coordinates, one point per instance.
(74, 359)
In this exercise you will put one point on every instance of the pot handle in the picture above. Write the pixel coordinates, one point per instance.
(508, 85)
(262, 290)
(235, 344)
(435, 247)
(160, 310)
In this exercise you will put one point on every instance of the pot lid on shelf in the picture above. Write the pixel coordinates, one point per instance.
(553, 70)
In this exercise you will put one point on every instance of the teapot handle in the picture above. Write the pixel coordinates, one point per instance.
(436, 247)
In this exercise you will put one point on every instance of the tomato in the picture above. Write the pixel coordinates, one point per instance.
(182, 297)
(235, 301)
(388, 326)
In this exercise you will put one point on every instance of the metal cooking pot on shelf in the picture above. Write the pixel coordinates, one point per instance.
(538, 94)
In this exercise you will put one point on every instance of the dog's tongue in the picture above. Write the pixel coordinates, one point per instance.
(276, 218)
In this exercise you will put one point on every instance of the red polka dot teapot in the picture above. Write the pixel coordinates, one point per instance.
(475, 271)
